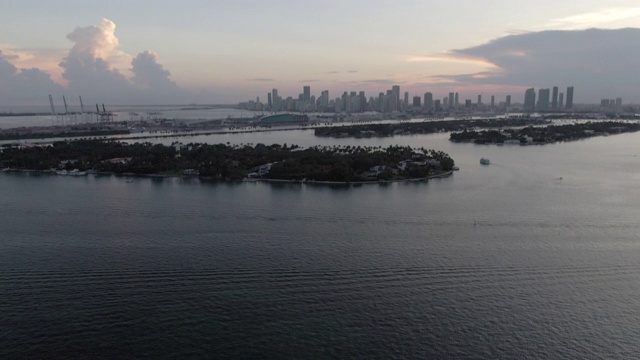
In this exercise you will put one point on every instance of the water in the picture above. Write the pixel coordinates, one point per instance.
(121, 113)
(499, 261)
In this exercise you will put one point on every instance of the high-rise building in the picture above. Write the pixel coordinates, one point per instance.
(493, 101)
(406, 100)
(456, 101)
(362, 98)
(508, 100)
(530, 100)
(428, 101)
(560, 100)
(324, 98)
(618, 102)
(275, 99)
(416, 101)
(306, 93)
(451, 102)
(395, 102)
(543, 100)
(269, 101)
(554, 98)
(569, 102)
(479, 99)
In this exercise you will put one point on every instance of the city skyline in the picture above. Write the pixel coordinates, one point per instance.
(389, 101)
(218, 52)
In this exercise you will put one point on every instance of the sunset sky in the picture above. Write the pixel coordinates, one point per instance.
(160, 51)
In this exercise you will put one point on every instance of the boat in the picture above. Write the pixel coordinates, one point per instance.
(485, 161)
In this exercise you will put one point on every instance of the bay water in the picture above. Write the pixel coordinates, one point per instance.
(534, 256)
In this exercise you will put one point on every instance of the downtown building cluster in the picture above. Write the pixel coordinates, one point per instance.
(547, 100)
(385, 102)
(390, 101)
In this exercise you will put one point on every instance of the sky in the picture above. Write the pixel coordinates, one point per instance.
(224, 52)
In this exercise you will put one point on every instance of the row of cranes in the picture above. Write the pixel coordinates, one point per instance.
(74, 118)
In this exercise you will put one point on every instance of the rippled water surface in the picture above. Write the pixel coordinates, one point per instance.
(534, 256)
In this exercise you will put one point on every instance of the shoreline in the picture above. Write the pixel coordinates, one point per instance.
(442, 175)
(48, 172)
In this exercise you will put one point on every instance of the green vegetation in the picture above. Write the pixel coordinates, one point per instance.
(340, 164)
(383, 130)
(546, 134)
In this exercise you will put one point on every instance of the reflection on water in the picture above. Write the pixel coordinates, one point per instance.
(499, 261)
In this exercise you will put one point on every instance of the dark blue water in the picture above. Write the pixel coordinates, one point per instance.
(499, 261)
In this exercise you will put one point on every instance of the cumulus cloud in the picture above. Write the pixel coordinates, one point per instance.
(22, 85)
(149, 74)
(599, 63)
(95, 68)
(86, 67)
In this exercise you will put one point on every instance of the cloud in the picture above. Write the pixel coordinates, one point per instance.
(86, 67)
(599, 63)
(381, 82)
(21, 85)
(46, 60)
(93, 67)
(596, 19)
(451, 58)
(149, 74)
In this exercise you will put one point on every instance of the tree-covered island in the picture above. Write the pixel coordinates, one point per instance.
(546, 134)
(226, 162)
(426, 127)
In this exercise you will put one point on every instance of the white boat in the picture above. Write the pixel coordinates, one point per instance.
(485, 161)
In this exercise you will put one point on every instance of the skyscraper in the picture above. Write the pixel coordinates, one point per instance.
(275, 99)
(451, 101)
(554, 98)
(306, 93)
(543, 100)
(508, 100)
(428, 101)
(395, 102)
(456, 101)
(479, 99)
(569, 101)
(362, 98)
(560, 100)
(530, 100)
(493, 101)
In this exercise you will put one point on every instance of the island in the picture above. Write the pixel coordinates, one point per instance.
(424, 127)
(344, 164)
(532, 135)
